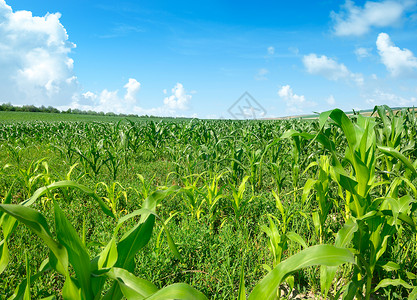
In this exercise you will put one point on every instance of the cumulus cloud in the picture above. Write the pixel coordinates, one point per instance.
(330, 69)
(35, 67)
(128, 103)
(295, 103)
(271, 50)
(109, 101)
(179, 99)
(132, 88)
(399, 62)
(353, 20)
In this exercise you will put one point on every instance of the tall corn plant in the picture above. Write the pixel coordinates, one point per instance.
(376, 219)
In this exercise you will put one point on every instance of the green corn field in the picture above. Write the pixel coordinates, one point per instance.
(210, 209)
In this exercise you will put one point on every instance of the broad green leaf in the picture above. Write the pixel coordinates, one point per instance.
(7, 200)
(396, 154)
(307, 188)
(242, 186)
(70, 290)
(37, 223)
(278, 203)
(316, 255)
(241, 293)
(413, 294)
(295, 237)
(292, 133)
(346, 124)
(4, 255)
(26, 295)
(132, 242)
(181, 291)
(343, 238)
(108, 257)
(345, 234)
(153, 200)
(324, 116)
(171, 242)
(77, 253)
(394, 282)
(411, 275)
(391, 266)
(52, 297)
(8, 224)
(131, 286)
(68, 184)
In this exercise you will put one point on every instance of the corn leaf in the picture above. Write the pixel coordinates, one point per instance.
(131, 286)
(77, 253)
(316, 255)
(181, 291)
(37, 223)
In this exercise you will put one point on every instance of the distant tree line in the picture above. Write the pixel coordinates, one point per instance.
(50, 109)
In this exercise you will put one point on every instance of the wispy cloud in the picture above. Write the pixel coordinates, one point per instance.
(362, 52)
(379, 97)
(122, 30)
(261, 74)
(354, 20)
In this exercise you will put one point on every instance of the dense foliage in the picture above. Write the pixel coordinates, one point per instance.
(216, 209)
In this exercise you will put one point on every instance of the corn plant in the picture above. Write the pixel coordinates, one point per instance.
(322, 188)
(238, 201)
(213, 193)
(145, 188)
(115, 262)
(92, 158)
(279, 236)
(191, 195)
(377, 219)
(31, 176)
(115, 199)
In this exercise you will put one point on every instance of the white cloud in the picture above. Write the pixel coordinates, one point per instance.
(110, 101)
(380, 97)
(363, 52)
(132, 88)
(356, 21)
(271, 50)
(295, 103)
(179, 99)
(34, 64)
(330, 69)
(331, 100)
(261, 75)
(399, 62)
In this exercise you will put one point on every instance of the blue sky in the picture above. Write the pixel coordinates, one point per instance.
(196, 58)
